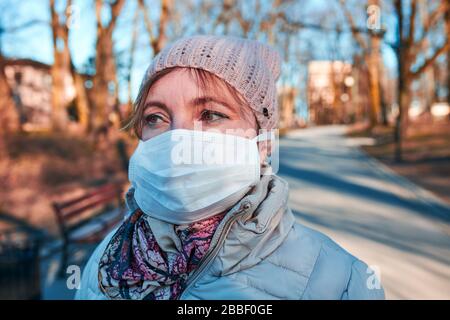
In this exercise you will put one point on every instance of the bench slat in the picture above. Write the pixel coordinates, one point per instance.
(104, 198)
(100, 232)
(67, 210)
(97, 224)
(103, 189)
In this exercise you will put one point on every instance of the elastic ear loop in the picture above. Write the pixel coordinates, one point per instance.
(268, 135)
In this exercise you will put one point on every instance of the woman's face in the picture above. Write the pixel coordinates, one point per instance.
(177, 102)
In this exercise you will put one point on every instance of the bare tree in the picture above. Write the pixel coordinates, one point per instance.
(408, 48)
(81, 98)
(447, 30)
(132, 52)
(372, 58)
(157, 41)
(231, 12)
(60, 68)
(105, 77)
(259, 22)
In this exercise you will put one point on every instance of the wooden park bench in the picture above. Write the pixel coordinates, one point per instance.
(88, 218)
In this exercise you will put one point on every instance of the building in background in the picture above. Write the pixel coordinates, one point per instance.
(31, 84)
(337, 92)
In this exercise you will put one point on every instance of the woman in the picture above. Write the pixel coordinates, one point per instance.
(208, 219)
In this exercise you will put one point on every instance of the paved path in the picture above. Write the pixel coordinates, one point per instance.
(373, 213)
(55, 287)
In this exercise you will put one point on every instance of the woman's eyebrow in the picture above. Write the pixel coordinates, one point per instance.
(205, 99)
(157, 104)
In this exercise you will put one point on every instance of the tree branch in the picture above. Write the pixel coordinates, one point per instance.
(115, 11)
(25, 25)
(430, 60)
(412, 22)
(147, 22)
(434, 18)
(362, 43)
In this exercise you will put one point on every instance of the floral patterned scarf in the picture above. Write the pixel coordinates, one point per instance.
(133, 265)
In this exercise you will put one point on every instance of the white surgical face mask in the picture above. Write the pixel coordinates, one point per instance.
(182, 176)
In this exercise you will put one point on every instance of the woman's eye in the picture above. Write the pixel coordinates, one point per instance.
(153, 119)
(208, 115)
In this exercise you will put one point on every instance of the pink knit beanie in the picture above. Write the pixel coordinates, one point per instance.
(251, 67)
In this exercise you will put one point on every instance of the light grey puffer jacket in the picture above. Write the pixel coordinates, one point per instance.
(260, 252)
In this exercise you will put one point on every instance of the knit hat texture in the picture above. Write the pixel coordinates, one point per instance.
(251, 67)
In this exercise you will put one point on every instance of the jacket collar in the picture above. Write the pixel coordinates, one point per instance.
(252, 237)
(261, 230)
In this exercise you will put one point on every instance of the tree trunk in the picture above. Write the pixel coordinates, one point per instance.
(374, 88)
(104, 99)
(372, 58)
(400, 82)
(81, 98)
(131, 60)
(103, 80)
(58, 70)
(384, 109)
(447, 27)
(81, 101)
(373, 63)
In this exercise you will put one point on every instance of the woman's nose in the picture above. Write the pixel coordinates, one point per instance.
(182, 122)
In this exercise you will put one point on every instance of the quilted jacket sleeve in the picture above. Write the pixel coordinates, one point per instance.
(363, 284)
(89, 289)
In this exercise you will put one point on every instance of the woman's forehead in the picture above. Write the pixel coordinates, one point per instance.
(182, 86)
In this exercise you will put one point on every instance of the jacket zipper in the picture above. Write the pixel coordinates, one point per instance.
(215, 248)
